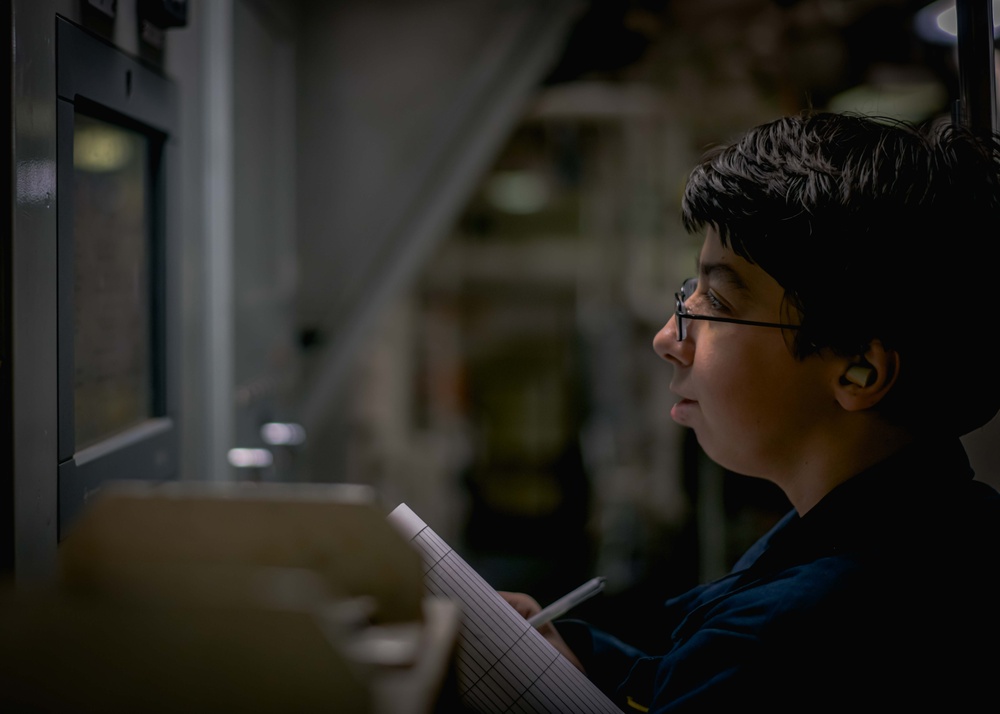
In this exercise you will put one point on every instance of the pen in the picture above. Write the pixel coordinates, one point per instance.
(567, 602)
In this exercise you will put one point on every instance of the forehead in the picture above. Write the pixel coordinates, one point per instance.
(721, 267)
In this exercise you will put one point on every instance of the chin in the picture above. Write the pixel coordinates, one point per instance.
(721, 458)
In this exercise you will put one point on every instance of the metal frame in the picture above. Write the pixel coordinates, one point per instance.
(977, 75)
(99, 78)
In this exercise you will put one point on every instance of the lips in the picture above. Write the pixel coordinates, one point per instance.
(674, 389)
(681, 412)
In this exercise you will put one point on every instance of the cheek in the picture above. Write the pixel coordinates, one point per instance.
(750, 389)
(745, 416)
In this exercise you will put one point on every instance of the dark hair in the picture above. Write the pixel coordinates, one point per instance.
(876, 229)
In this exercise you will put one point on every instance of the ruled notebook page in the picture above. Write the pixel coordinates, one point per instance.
(503, 664)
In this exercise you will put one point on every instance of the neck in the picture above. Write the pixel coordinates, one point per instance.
(824, 466)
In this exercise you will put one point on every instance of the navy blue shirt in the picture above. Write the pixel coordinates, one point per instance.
(883, 597)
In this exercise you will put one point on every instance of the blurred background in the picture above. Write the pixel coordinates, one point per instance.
(426, 245)
(476, 340)
(487, 239)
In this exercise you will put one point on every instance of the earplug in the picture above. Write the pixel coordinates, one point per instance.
(860, 375)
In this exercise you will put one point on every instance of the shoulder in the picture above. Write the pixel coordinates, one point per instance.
(764, 606)
(948, 575)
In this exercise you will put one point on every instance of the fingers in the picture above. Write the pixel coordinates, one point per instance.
(525, 605)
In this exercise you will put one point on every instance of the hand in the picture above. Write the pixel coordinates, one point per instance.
(527, 606)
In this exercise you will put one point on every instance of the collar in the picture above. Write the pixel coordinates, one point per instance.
(883, 503)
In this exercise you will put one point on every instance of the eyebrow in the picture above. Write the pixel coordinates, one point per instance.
(725, 273)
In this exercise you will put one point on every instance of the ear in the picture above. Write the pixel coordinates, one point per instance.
(864, 380)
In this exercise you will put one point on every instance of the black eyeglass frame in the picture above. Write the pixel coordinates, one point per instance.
(680, 314)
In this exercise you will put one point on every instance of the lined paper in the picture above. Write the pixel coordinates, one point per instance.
(503, 664)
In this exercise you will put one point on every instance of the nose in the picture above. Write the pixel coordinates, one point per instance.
(668, 347)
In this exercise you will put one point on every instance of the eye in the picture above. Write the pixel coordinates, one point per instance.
(706, 303)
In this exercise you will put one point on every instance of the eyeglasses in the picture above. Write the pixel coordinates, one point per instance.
(687, 290)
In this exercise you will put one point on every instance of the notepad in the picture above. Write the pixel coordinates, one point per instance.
(503, 663)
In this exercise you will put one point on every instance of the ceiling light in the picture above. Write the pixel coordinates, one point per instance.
(520, 192)
(938, 22)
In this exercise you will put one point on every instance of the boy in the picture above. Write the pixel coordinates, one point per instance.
(837, 341)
